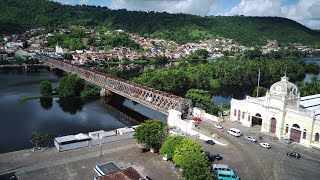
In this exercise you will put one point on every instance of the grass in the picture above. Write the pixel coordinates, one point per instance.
(24, 100)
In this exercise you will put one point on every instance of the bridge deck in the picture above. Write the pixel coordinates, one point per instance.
(155, 99)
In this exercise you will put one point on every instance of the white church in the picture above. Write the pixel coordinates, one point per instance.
(282, 113)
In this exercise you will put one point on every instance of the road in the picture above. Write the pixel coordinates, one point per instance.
(251, 161)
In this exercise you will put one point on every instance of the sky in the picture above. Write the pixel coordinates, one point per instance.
(306, 12)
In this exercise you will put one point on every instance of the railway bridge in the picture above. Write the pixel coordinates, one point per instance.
(155, 99)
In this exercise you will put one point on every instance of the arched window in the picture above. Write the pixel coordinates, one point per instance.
(248, 117)
(239, 114)
(316, 138)
(287, 128)
(304, 136)
(235, 112)
(242, 115)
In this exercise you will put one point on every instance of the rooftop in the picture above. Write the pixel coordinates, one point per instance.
(311, 103)
(128, 173)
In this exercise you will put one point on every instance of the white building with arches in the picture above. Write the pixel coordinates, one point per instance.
(282, 113)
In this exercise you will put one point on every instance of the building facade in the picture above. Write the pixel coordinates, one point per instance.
(282, 113)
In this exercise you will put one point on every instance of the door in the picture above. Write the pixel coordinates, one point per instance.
(273, 125)
(295, 135)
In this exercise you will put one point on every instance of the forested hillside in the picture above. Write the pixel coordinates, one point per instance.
(18, 15)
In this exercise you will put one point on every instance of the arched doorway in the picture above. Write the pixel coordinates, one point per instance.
(256, 120)
(273, 125)
(295, 133)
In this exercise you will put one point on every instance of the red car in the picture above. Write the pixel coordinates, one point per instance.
(196, 119)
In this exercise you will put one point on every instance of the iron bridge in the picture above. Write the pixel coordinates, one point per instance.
(155, 99)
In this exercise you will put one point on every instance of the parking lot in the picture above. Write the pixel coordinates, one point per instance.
(79, 164)
(251, 161)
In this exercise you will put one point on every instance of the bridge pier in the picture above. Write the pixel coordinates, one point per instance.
(104, 92)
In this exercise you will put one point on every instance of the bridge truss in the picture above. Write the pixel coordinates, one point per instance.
(155, 99)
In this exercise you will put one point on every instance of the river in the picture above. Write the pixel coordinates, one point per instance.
(58, 117)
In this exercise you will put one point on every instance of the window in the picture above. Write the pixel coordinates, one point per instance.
(235, 112)
(316, 138)
(304, 134)
(249, 118)
(287, 128)
(242, 115)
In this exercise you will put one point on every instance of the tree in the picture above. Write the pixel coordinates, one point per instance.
(70, 85)
(185, 147)
(39, 139)
(45, 88)
(169, 145)
(194, 163)
(200, 54)
(67, 56)
(90, 91)
(151, 133)
(262, 91)
(201, 99)
(311, 88)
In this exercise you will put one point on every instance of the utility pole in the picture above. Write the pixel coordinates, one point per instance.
(100, 149)
(258, 83)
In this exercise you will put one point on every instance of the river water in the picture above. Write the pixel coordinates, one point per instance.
(58, 117)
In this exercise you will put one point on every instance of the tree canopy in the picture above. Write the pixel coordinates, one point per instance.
(17, 15)
(310, 88)
(45, 88)
(70, 85)
(201, 99)
(169, 145)
(194, 163)
(151, 133)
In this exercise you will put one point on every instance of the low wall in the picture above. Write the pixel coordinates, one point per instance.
(76, 145)
(111, 139)
(211, 117)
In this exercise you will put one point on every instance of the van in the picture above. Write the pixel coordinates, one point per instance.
(234, 132)
(223, 167)
(227, 175)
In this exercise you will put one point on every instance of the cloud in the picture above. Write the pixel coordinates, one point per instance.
(196, 7)
(306, 12)
(257, 8)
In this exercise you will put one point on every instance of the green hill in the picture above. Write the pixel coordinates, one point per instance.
(17, 15)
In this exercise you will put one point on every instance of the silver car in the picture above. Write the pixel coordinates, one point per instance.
(251, 139)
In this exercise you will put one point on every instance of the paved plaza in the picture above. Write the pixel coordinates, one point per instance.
(79, 164)
(251, 161)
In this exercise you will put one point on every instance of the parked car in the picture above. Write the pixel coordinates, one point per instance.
(288, 141)
(212, 155)
(251, 139)
(217, 126)
(265, 145)
(209, 142)
(223, 167)
(234, 132)
(165, 157)
(227, 175)
(294, 154)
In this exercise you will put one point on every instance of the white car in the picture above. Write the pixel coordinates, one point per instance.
(251, 139)
(265, 145)
(217, 126)
(165, 157)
